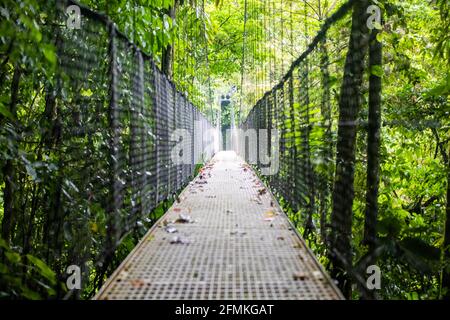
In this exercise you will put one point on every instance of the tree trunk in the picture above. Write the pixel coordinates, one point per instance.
(373, 146)
(168, 52)
(9, 172)
(327, 150)
(343, 193)
(308, 173)
(373, 157)
(53, 221)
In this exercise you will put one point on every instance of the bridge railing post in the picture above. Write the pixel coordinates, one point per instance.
(156, 107)
(116, 199)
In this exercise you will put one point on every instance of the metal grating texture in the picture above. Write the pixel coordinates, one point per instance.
(238, 245)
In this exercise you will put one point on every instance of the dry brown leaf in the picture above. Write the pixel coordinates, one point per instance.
(269, 215)
(137, 283)
(262, 191)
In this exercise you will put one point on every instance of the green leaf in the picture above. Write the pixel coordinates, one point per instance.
(380, 36)
(37, 36)
(43, 268)
(30, 294)
(13, 257)
(5, 112)
(377, 70)
(49, 53)
(3, 244)
(377, 26)
(86, 93)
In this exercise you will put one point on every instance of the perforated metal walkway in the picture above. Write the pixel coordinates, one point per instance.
(226, 238)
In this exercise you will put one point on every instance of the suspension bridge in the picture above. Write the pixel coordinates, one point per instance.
(225, 237)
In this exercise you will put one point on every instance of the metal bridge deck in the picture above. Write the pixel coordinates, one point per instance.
(238, 245)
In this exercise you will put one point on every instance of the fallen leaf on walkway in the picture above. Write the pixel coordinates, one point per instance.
(280, 238)
(122, 275)
(238, 233)
(318, 275)
(300, 276)
(171, 229)
(262, 191)
(137, 283)
(229, 211)
(184, 218)
(177, 209)
(269, 215)
(179, 240)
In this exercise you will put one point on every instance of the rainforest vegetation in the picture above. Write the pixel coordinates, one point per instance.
(398, 211)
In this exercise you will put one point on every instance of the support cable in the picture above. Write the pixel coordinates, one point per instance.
(243, 61)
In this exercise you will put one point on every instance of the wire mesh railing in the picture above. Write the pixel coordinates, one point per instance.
(299, 120)
(131, 112)
(106, 130)
(331, 146)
